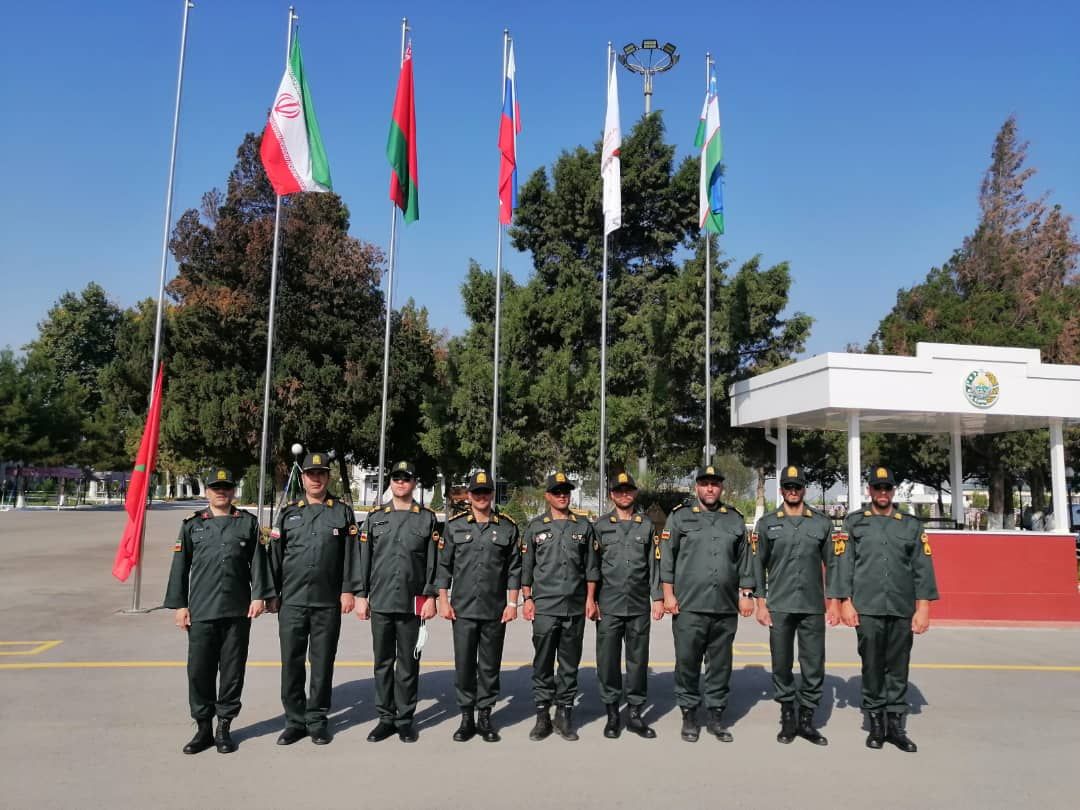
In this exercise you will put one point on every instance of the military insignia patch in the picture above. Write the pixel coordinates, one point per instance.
(363, 537)
(336, 532)
(524, 548)
(442, 544)
(560, 478)
(221, 475)
(753, 543)
(665, 535)
(792, 472)
(926, 545)
(178, 546)
(656, 553)
(353, 530)
(623, 478)
(316, 459)
(437, 538)
(481, 478)
(402, 465)
(839, 542)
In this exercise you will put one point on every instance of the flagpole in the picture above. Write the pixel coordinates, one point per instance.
(603, 335)
(498, 312)
(708, 315)
(389, 312)
(136, 591)
(263, 450)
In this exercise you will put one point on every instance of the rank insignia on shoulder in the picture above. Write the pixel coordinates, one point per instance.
(898, 515)
(329, 501)
(839, 542)
(547, 519)
(780, 514)
(415, 508)
(926, 545)
(637, 518)
(695, 509)
(723, 510)
(867, 513)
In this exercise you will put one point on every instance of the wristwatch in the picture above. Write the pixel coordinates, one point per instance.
(745, 593)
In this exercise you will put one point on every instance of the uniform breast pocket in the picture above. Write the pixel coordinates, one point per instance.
(416, 540)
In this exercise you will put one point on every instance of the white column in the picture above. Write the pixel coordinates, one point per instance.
(1058, 486)
(854, 463)
(956, 477)
(781, 455)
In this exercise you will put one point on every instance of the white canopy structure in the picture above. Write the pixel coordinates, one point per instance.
(944, 388)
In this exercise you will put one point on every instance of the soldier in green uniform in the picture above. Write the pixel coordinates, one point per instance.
(397, 590)
(623, 588)
(480, 561)
(703, 566)
(884, 578)
(315, 557)
(555, 550)
(219, 581)
(787, 551)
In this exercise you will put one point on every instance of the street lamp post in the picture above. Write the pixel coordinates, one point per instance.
(648, 59)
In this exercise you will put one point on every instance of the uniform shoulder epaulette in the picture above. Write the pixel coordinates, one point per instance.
(195, 514)
(898, 515)
(506, 517)
(457, 515)
(731, 508)
(677, 507)
(779, 513)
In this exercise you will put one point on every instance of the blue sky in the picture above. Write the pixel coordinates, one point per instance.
(856, 134)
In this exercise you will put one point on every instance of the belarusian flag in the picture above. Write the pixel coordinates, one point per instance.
(292, 149)
(401, 145)
(710, 186)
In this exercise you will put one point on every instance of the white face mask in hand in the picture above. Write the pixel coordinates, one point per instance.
(421, 640)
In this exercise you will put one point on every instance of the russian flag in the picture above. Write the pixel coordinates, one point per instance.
(509, 127)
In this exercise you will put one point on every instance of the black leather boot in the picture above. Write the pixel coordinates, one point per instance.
(483, 725)
(467, 730)
(877, 730)
(690, 728)
(614, 724)
(897, 735)
(635, 724)
(563, 723)
(291, 734)
(716, 726)
(787, 724)
(382, 731)
(222, 738)
(806, 728)
(542, 729)
(203, 739)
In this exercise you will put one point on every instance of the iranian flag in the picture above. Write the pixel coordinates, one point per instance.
(292, 149)
(401, 145)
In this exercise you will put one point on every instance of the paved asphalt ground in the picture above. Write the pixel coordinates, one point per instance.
(93, 713)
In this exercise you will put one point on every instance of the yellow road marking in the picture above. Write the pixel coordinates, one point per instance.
(36, 647)
(517, 664)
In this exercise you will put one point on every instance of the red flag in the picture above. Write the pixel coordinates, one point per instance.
(401, 145)
(127, 553)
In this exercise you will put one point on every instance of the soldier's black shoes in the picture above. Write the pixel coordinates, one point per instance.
(787, 724)
(484, 727)
(563, 723)
(806, 728)
(542, 729)
(320, 735)
(715, 726)
(614, 724)
(222, 738)
(635, 724)
(291, 734)
(203, 739)
(381, 732)
(876, 737)
(467, 730)
(407, 733)
(897, 735)
(690, 728)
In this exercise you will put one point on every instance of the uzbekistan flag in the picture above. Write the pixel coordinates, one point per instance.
(610, 168)
(292, 149)
(710, 186)
(401, 145)
(509, 127)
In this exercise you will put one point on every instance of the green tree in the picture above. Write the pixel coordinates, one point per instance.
(1013, 282)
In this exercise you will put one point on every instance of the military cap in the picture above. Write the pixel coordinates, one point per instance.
(792, 475)
(882, 475)
(558, 480)
(220, 477)
(403, 469)
(316, 461)
(480, 481)
(621, 481)
(709, 471)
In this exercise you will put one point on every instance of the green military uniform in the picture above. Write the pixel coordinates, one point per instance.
(219, 566)
(480, 562)
(623, 561)
(786, 558)
(883, 563)
(397, 564)
(315, 557)
(703, 556)
(554, 562)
